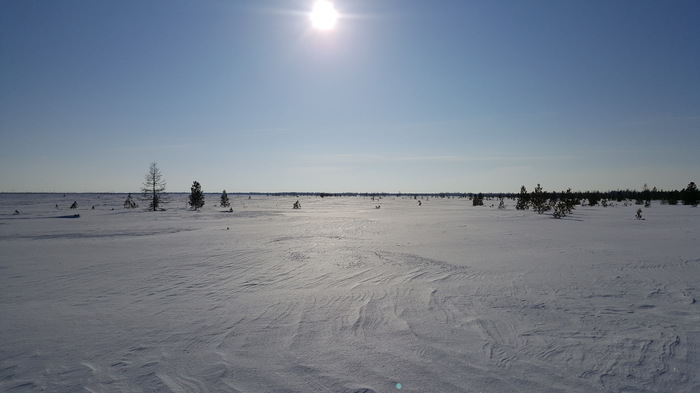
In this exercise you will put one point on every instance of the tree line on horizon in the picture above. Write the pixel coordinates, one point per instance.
(688, 196)
(562, 203)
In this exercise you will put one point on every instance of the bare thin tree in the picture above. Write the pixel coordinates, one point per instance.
(153, 187)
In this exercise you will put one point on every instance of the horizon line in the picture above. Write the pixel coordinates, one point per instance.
(328, 193)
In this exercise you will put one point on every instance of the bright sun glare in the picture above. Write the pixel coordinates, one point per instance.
(323, 16)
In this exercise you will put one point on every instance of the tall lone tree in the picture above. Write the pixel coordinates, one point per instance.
(224, 199)
(153, 187)
(196, 198)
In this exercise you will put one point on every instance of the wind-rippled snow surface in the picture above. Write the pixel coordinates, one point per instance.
(340, 296)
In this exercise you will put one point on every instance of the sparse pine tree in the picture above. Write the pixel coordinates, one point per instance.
(691, 195)
(478, 200)
(129, 202)
(224, 199)
(553, 198)
(538, 200)
(196, 198)
(645, 196)
(74, 205)
(565, 205)
(153, 188)
(523, 199)
(570, 201)
(673, 197)
(559, 209)
(502, 205)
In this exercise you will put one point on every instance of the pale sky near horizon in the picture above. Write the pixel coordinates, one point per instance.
(403, 95)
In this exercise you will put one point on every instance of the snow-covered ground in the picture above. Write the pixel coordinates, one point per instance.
(342, 297)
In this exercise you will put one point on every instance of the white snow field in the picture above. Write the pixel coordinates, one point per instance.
(340, 296)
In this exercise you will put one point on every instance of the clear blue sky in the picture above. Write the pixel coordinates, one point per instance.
(403, 95)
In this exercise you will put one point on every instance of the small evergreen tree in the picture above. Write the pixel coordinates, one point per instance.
(196, 198)
(478, 200)
(502, 205)
(690, 195)
(224, 199)
(129, 202)
(646, 196)
(559, 209)
(538, 200)
(565, 205)
(593, 198)
(523, 199)
(673, 197)
(74, 205)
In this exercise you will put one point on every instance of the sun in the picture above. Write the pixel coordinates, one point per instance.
(323, 16)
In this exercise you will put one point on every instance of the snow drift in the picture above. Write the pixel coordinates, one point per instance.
(339, 296)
